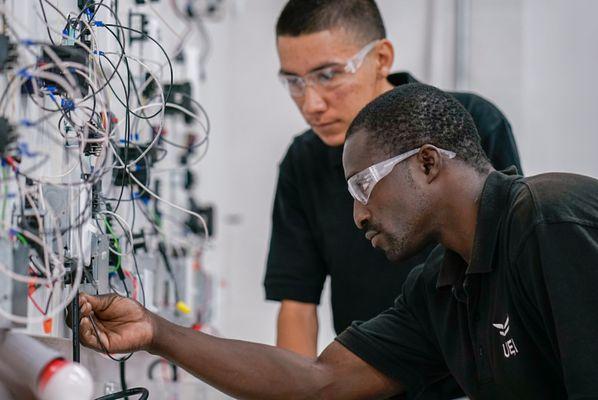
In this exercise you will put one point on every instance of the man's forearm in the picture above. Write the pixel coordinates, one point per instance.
(241, 369)
(297, 328)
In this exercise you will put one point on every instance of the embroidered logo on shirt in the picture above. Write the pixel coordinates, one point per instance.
(508, 348)
(503, 328)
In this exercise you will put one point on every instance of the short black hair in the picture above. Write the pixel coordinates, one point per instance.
(359, 17)
(415, 114)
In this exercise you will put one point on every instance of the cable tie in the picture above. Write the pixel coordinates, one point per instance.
(26, 122)
(98, 52)
(98, 23)
(27, 42)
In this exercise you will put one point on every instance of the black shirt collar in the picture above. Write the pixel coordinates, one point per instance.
(401, 78)
(493, 204)
(335, 154)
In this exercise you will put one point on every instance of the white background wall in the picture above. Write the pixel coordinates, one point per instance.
(536, 59)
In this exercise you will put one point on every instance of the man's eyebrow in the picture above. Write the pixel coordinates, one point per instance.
(319, 67)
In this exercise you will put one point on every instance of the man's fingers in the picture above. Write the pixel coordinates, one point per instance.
(87, 334)
(97, 303)
(84, 307)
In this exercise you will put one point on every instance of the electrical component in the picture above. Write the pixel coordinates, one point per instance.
(13, 295)
(86, 5)
(8, 139)
(180, 94)
(207, 212)
(72, 54)
(8, 53)
(140, 170)
(97, 279)
(139, 22)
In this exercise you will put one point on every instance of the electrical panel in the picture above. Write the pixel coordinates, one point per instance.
(101, 141)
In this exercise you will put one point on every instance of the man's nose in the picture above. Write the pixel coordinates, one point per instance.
(361, 214)
(313, 103)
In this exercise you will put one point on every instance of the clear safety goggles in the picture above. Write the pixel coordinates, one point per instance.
(327, 78)
(362, 183)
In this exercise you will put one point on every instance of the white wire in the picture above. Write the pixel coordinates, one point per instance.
(128, 230)
(162, 110)
(186, 211)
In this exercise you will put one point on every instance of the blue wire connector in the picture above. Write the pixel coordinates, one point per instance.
(24, 73)
(67, 104)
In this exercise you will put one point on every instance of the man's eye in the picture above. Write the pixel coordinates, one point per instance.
(293, 81)
(327, 76)
(364, 184)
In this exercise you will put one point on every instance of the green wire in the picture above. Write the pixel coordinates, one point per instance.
(116, 246)
(22, 239)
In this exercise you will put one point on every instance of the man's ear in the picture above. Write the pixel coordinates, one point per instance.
(430, 162)
(385, 56)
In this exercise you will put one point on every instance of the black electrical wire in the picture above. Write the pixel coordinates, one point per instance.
(123, 103)
(135, 87)
(41, 4)
(75, 319)
(162, 251)
(56, 9)
(95, 330)
(123, 379)
(155, 363)
(129, 392)
(167, 97)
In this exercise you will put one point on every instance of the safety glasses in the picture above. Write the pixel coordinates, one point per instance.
(327, 78)
(362, 183)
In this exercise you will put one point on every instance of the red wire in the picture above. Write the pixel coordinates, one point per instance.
(35, 303)
(134, 280)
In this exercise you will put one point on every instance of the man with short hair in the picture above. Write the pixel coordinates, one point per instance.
(507, 304)
(334, 59)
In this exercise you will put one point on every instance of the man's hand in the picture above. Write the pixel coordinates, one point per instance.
(122, 324)
(241, 369)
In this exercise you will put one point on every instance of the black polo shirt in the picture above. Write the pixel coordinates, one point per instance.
(521, 321)
(313, 234)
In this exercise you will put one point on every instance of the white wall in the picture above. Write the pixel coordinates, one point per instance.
(538, 60)
(535, 59)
